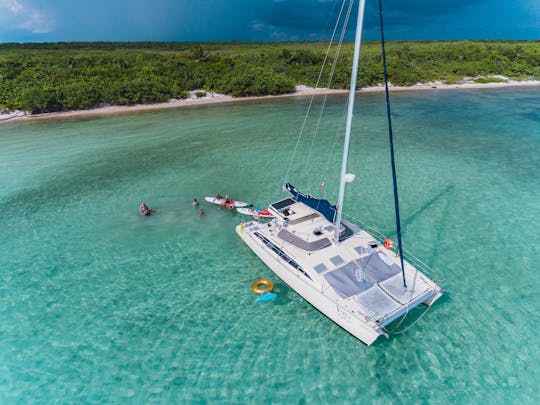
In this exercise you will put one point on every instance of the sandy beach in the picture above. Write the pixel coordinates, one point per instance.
(214, 98)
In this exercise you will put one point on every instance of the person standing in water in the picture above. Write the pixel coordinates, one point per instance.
(195, 203)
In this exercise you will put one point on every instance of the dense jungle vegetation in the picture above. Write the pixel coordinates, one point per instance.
(60, 76)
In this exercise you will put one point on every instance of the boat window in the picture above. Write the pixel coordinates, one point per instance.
(281, 253)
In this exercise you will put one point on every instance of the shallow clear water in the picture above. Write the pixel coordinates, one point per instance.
(100, 305)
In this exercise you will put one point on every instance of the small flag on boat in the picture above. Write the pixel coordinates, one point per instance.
(388, 243)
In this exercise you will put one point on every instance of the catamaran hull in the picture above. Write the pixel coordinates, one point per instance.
(362, 330)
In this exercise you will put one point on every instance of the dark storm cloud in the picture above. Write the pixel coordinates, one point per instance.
(301, 18)
(260, 20)
(414, 19)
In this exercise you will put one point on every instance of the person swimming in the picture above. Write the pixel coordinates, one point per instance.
(195, 203)
(144, 210)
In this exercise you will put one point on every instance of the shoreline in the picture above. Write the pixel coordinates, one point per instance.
(209, 99)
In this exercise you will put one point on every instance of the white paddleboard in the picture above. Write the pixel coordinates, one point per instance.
(222, 201)
(261, 213)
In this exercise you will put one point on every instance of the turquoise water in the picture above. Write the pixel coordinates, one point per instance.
(100, 305)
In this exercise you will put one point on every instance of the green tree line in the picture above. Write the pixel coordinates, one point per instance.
(70, 76)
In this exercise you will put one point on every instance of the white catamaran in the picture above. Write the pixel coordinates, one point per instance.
(339, 268)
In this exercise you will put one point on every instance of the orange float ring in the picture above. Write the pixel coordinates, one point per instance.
(262, 285)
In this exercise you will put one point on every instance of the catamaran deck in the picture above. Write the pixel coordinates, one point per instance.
(358, 273)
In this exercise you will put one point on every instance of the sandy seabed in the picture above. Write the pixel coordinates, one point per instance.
(214, 98)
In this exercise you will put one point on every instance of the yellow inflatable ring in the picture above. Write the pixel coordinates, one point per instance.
(262, 285)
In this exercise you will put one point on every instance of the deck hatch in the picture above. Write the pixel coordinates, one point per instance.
(337, 260)
(361, 250)
(320, 268)
(283, 203)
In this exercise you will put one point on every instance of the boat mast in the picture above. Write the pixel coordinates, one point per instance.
(352, 92)
(391, 142)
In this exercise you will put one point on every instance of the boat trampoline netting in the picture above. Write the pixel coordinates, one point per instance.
(361, 274)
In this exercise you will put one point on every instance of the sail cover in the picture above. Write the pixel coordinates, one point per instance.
(323, 206)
